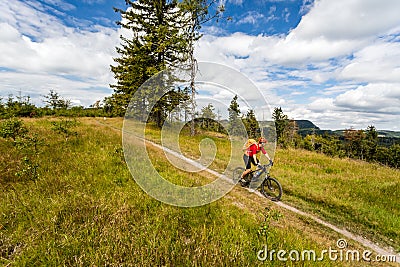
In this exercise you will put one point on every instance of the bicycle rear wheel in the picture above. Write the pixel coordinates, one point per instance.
(237, 175)
(271, 189)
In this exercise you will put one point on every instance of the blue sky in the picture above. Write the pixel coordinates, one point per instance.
(262, 17)
(88, 11)
(336, 63)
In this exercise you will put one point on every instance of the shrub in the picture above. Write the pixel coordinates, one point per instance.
(12, 128)
(64, 127)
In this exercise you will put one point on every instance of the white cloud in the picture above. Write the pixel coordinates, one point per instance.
(286, 14)
(348, 19)
(236, 2)
(61, 4)
(337, 89)
(40, 53)
(82, 54)
(373, 104)
(91, 2)
(327, 116)
(378, 62)
(346, 54)
(359, 64)
(277, 1)
(36, 85)
(251, 17)
(373, 98)
(306, 6)
(31, 19)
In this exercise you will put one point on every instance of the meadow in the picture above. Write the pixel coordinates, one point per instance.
(353, 194)
(82, 207)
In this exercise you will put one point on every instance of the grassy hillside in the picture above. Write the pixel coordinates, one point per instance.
(85, 209)
(356, 195)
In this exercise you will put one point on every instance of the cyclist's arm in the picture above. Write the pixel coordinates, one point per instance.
(265, 153)
(255, 159)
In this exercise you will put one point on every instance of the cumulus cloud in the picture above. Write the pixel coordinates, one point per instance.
(339, 67)
(348, 19)
(40, 53)
(378, 62)
(354, 71)
(36, 85)
(306, 6)
(31, 19)
(353, 106)
(373, 98)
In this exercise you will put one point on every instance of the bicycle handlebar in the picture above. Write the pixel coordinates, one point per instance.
(265, 166)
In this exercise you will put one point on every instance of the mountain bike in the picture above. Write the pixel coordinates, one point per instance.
(270, 187)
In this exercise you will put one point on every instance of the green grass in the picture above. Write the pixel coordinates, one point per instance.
(356, 195)
(359, 196)
(85, 209)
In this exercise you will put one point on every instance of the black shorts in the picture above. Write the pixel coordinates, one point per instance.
(248, 160)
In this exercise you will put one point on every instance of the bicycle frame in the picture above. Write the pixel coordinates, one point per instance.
(270, 187)
(263, 169)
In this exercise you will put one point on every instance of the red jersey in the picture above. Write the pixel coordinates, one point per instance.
(254, 149)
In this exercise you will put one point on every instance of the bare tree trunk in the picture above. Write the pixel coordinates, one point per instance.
(193, 70)
(193, 107)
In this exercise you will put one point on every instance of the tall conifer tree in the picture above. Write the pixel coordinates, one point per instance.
(156, 42)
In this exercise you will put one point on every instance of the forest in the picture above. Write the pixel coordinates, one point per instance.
(361, 144)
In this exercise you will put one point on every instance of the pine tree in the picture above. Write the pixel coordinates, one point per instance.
(251, 123)
(157, 43)
(394, 156)
(281, 122)
(290, 135)
(55, 101)
(235, 123)
(2, 107)
(163, 37)
(354, 143)
(208, 117)
(371, 142)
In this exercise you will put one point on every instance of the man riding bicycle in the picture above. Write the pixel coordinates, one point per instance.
(251, 148)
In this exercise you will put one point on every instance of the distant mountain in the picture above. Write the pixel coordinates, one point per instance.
(389, 134)
(306, 124)
(306, 127)
(381, 133)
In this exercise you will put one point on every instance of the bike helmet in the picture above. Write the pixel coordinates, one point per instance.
(262, 140)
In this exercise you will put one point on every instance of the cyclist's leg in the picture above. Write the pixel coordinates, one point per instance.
(252, 161)
(247, 163)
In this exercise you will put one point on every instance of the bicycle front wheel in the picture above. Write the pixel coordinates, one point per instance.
(271, 189)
